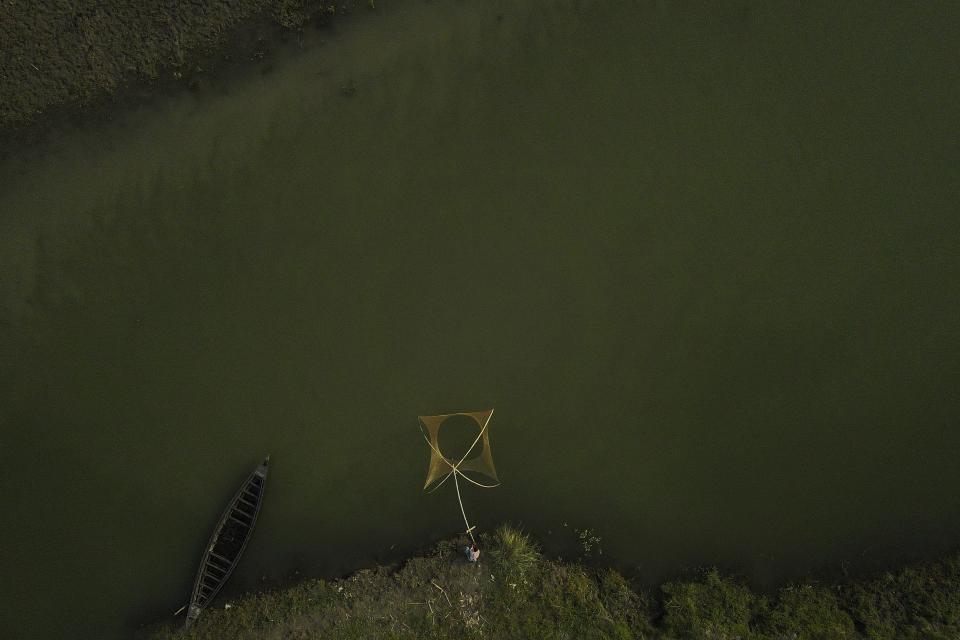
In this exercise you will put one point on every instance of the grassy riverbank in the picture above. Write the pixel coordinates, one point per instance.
(65, 55)
(514, 592)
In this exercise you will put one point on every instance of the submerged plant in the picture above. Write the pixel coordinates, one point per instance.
(589, 542)
(292, 14)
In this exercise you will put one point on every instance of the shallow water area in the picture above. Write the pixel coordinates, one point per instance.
(702, 263)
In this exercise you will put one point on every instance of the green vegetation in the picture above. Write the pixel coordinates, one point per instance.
(814, 610)
(67, 53)
(514, 555)
(514, 592)
(917, 602)
(712, 607)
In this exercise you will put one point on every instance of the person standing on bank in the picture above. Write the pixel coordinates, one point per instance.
(472, 551)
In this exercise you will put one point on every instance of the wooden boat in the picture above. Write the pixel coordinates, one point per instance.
(228, 541)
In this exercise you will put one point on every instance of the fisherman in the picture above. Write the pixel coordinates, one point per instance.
(472, 551)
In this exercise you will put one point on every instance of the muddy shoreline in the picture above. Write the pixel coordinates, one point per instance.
(106, 64)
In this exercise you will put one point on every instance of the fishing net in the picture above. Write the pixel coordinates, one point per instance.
(442, 467)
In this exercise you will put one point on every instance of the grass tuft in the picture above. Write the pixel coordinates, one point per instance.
(514, 554)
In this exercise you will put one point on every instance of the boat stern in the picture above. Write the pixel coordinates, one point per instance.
(192, 614)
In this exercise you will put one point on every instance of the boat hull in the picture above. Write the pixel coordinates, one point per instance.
(228, 541)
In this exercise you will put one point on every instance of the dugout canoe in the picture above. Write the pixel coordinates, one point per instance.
(229, 539)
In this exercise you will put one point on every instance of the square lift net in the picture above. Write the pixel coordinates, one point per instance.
(443, 468)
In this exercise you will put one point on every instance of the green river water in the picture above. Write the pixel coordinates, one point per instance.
(703, 263)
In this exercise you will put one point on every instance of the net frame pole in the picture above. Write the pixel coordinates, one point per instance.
(479, 435)
(462, 510)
